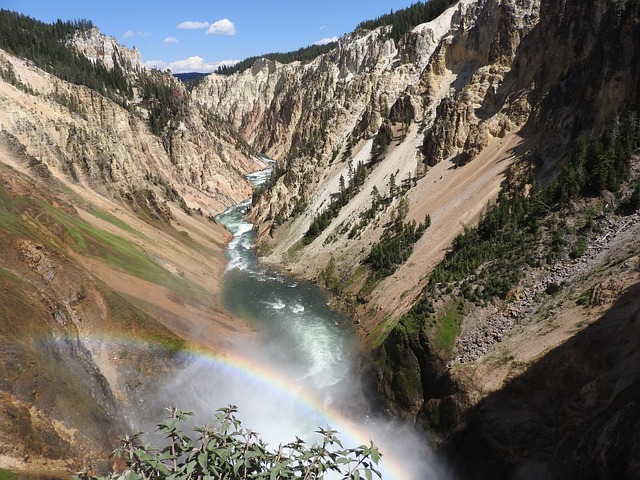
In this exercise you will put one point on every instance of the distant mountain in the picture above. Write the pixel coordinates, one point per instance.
(189, 76)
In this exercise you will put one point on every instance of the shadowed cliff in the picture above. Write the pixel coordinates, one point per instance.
(573, 414)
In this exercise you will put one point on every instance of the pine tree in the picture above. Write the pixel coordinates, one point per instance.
(343, 191)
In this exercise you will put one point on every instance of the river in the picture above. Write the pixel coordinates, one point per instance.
(305, 337)
(296, 373)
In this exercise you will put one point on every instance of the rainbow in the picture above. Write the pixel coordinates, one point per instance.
(281, 385)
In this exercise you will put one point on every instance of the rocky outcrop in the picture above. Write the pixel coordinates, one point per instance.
(586, 73)
(306, 108)
(455, 76)
(476, 66)
(102, 48)
(412, 382)
(58, 402)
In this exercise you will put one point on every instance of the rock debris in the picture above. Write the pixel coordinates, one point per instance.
(477, 342)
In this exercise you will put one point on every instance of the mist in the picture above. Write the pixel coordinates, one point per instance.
(280, 402)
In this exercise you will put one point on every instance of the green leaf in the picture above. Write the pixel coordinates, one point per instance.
(202, 460)
(375, 455)
(131, 475)
(217, 454)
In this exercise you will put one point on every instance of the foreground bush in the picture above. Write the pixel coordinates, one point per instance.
(226, 450)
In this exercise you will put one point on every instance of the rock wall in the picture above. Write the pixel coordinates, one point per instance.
(476, 66)
(310, 113)
(538, 56)
(86, 190)
(586, 75)
(68, 385)
(106, 147)
(455, 76)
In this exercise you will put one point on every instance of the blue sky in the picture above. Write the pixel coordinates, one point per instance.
(198, 35)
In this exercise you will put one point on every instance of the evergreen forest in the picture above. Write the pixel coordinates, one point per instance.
(305, 54)
(45, 45)
(522, 231)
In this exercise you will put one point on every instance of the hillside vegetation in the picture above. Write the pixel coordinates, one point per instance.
(403, 20)
(304, 54)
(531, 230)
(46, 45)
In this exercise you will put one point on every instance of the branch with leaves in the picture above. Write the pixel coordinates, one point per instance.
(226, 450)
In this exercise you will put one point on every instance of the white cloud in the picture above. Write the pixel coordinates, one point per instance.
(171, 40)
(222, 27)
(191, 64)
(193, 25)
(131, 33)
(326, 40)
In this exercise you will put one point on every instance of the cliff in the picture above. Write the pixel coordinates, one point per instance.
(111, 260)
(98, 47)
(446, 89)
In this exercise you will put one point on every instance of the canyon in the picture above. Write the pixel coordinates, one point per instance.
(109, 232)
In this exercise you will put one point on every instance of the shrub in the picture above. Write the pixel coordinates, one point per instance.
(226, 450)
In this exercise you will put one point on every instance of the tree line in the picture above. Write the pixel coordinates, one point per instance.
(164, 100)
(402, 21)
(396, 243)
(602, 165)
(45, 45)
(305, 54)
(507, 237)
(346, 192)
(380, 202)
